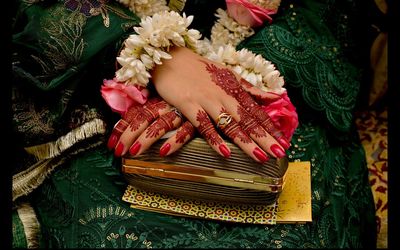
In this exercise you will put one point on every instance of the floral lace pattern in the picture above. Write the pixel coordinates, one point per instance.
(312, 62)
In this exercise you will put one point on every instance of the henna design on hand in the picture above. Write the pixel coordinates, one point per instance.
(165, 122)
(233, 130)
(137, 115)
(120, 127)
(249, 125)
(116, 133)
(206, 128)
(227, 81)
(187, 129)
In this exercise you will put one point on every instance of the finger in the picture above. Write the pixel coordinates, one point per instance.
(258, 133)
(250, 127)
(165, 123)
(262, 118)
(201, 121)
(266, 122)
(255, 111)
(227, 81)
(148, 111)
(140, 117)
(182, 135)
(232, 129)
(118, 129)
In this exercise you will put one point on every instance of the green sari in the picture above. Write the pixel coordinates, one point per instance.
(61, 54)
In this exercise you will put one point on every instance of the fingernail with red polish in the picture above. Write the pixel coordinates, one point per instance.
(260, 155)
(135, 148)
(165, 149)
(224, 150)
(284, 143)
(277, 151)
(112, 141)
(119, 149)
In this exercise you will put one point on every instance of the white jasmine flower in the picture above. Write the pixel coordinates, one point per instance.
(252, 78)
(192, 38)
(147, 61)
(273, 80)
(134, 41)
(143, 8)
(203, 47)
(227, 31)
(238, 69)
(132, 71)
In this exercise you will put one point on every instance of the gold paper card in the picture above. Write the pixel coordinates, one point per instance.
(294, 203)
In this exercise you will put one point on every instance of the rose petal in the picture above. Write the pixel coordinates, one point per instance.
(283, 114)
(242, 15)
(247, 13)
(116, 100)
(136, 95)
(121, 97)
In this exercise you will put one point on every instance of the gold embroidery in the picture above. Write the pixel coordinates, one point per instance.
(55, 148)
(102, 212)
(31, 121)
(61, 41)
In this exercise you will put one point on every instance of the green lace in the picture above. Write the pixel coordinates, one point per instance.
(312, 60)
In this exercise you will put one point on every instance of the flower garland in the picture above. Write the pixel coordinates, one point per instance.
(227, 31)
(254, 68)
(158, 33)
(143, 8)
(149, 46)
(160, 29)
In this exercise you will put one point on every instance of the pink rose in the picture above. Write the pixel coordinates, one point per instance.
(247, 13)
(121, 97)
(283, 114)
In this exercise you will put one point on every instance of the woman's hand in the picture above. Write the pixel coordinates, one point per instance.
(213, 99)
(142, 125)
(209, 94)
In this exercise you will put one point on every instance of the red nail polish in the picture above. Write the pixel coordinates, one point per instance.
(284, 143)
(224, 150)
(112, 141)
(277, 151)
(260, 155)
(119, 149)
(135, 148)
(165, 149)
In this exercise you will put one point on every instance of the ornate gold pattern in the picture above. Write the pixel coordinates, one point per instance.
(256, 214)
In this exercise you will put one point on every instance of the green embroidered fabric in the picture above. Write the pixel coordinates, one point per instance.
(18, 231)
(56, 85)
(62, 50)
(80, 205)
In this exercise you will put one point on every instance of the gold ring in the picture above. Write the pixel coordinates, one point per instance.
(223, 120)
